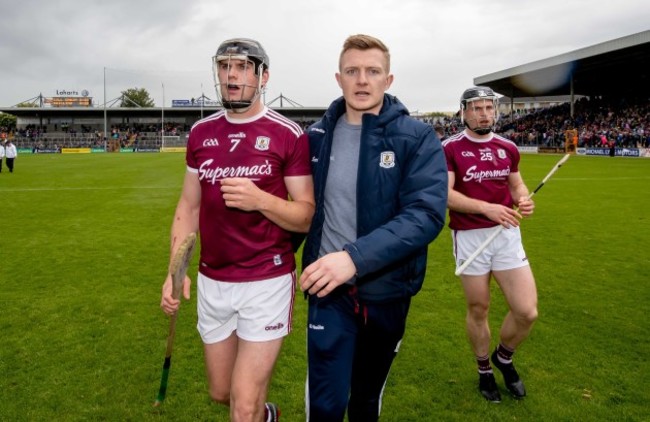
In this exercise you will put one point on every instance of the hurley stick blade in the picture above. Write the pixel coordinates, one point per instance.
(178, 268)
(180, 262)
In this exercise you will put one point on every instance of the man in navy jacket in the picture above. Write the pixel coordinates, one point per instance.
(380, 184)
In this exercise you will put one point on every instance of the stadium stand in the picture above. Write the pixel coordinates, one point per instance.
(598, 122)
(605, 88)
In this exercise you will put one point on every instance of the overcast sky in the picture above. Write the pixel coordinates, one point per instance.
(437, 47)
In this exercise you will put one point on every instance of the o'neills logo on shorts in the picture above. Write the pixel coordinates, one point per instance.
(275, 327)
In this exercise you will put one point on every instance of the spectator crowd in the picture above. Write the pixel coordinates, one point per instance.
(598, 122)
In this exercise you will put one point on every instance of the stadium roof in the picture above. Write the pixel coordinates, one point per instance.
(618, 68)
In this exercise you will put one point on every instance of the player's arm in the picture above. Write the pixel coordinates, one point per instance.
(186, 217)
(295, 215)
(520, 194)
(292, 215)
(498, 213)
(459, 202)
(186, 220)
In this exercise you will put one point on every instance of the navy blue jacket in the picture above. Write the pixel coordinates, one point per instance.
(401, 198)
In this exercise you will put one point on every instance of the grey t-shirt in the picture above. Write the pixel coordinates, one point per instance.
(340, 225)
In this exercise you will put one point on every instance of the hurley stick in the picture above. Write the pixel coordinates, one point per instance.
(178, 269)
(495, 233)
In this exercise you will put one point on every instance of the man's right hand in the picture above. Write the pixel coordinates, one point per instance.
(327, 273)
(505, 216)
(168, 304)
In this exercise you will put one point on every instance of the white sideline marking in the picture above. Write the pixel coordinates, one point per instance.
(600, 178)
(86, 188)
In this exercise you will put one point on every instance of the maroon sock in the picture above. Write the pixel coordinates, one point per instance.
(504, 354)
(484, 366)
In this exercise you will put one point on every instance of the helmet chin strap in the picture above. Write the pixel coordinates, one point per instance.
(241, 105)
(481, 130)
(238, 106)
(478, 130)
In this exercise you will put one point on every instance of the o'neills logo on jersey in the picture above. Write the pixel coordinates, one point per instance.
(240, 135)
(212, 175)
(478, 176)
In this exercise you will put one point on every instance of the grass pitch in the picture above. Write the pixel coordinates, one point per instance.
(84, 246)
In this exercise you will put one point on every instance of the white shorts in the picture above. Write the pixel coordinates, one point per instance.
(257, 310)
(505, 252)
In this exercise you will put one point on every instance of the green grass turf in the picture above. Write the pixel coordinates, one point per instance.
(84, 249)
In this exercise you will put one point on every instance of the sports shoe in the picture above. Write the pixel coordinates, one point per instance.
(514, 384)
(273, 412)
(487, 385)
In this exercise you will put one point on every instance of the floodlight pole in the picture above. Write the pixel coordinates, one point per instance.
(104, 140)
(162, 118)
(572, 96)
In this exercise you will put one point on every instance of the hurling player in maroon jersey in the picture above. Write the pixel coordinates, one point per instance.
(247, 187)
(486, 190)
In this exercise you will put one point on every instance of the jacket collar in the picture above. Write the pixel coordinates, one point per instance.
(391, 109)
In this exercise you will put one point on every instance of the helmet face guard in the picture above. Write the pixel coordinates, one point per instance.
(474, 94)
(254, 55)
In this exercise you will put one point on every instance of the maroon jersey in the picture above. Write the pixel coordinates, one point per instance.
(481, 168)
(238, 245)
